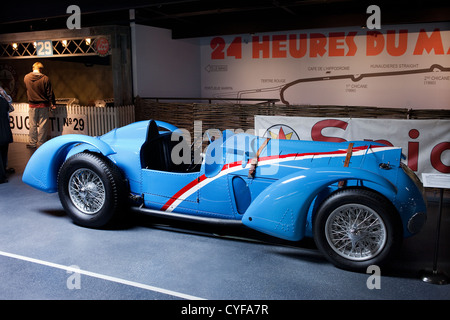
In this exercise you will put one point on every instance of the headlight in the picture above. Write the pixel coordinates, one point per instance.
(417, 221)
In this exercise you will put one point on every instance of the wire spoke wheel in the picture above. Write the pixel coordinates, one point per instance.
(356, 228)
(87, 191)
(355, 232)
(92, 190)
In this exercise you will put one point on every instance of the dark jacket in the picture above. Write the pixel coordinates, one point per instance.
(5, 131)
(39, 88)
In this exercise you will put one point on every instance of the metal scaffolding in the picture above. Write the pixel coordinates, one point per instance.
(56, 48)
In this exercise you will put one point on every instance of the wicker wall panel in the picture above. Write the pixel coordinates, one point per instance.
(241, 116)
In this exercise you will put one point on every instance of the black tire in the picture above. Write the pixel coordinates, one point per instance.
(355, 228)
(91, 190)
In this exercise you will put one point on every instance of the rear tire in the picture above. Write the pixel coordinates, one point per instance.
(356, 228)
(91, 190)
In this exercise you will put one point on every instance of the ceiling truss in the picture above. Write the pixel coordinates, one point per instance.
(59, 47)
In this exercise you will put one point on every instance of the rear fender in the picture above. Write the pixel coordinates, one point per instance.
(281, 210)
(41, 171)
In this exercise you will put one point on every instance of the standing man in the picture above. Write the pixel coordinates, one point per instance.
(41, 99)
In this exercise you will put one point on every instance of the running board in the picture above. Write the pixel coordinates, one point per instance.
(186, 217)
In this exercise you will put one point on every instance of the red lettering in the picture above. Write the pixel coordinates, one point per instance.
(337, 44)
(413, 150)
(218, 46)
(374, 43)
(316, 130)
(336, 39)
(350, 41)
(433, 42)
(391, 47)
(436, 155)
(279, 46)
(297, 49)
(258, 47)
(235, 48)
(317, 45)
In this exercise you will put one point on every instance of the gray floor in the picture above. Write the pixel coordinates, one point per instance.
(164, 260)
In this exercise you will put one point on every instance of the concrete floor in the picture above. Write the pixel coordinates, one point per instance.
(164, 260)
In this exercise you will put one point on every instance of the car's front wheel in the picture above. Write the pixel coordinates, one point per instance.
(356, 228)
(91, 190)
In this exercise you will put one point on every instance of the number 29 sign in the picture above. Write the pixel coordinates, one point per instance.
(44, 48)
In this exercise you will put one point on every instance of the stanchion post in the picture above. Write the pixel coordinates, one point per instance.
(440, 181)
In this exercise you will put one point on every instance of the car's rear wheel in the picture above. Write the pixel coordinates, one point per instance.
(356, 228)
(91, 190)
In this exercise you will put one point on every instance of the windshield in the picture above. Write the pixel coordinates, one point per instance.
(230, 148)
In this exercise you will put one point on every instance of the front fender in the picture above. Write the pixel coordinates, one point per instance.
(41, 171)
(281, 209)
(167, 126)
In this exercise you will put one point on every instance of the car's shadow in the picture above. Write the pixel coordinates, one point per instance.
(411, 261)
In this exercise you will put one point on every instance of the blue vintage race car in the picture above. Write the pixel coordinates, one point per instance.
(356, 199)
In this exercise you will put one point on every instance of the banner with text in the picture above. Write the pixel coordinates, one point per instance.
(59, 123)
(396, 66)
(425, 143)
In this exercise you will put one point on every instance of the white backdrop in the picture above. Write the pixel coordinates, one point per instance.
(426, 143)
(398, 66)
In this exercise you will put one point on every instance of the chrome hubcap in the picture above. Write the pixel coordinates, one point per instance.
(355, 232)
(87, 191)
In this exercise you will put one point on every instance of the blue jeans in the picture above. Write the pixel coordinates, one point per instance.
(38, 119)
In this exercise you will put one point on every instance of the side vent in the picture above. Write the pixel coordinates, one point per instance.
(242, 195)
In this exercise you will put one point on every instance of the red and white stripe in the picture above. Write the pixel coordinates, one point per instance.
(228, 168)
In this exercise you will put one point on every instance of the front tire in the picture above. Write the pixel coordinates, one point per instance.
(91, 190)
(356, 228)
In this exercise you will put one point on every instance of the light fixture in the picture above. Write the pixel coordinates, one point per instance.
(34, 44)
(14, 45)
(88, 41)
(64, 43)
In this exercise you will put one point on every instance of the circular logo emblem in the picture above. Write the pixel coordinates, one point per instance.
(8, 79)
(102, 46)
(281, 131)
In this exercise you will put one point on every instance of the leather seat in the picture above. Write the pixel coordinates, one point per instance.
(154, 152)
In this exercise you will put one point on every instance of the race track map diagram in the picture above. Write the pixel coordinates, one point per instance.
(355, 78)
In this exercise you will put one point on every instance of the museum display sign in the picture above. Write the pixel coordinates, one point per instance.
(401, 66)
(425, 143)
